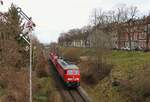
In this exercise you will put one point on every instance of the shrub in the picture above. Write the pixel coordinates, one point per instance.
(41, 73)
(3, 84)
(41, 66)
(95, 73)
(72, 54)
(10, 98)
(89, 79)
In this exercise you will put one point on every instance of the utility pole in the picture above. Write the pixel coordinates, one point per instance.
(30, 77)
(30, 67)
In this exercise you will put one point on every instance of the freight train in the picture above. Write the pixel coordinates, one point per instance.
(69, 72)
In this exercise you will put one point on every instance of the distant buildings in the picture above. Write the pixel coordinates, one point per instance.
(136, 33)
(133, 34)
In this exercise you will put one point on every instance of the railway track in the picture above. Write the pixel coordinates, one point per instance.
(78, 96)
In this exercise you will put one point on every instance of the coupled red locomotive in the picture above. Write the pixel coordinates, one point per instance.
(69, 72)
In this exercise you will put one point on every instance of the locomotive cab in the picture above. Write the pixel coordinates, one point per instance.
(72, 77)
(71, 74)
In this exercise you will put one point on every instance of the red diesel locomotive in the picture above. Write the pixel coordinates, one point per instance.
(69, 72)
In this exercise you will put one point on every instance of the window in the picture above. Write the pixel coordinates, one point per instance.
(70, 72)
(76, 72)
(145, 28)
(142, 35)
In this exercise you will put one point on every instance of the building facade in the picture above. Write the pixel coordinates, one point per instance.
(135, 34)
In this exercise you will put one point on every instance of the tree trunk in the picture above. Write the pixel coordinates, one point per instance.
(147, 38)
(129, 34)
(129, 37)
(119, 39)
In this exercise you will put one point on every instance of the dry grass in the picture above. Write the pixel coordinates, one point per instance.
(93, 73)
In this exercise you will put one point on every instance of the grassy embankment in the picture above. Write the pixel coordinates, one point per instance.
(130, 69)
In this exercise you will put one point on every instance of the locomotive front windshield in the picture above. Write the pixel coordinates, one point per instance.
(75, 72)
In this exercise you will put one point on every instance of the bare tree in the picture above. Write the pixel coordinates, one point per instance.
(131, 16)
(124, 15)
(100, 37)
(119, 17)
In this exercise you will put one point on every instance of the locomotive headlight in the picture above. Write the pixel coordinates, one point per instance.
(77, 78)
(69, 79)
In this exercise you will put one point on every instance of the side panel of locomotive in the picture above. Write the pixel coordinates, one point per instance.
(54, 59)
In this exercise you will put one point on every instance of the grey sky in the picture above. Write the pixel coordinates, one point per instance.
(55, 16)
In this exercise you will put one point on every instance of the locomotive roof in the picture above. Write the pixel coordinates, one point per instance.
(67, 65)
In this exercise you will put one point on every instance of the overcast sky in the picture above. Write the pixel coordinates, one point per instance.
(55, 16)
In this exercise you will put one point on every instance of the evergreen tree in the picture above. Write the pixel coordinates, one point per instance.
(14, 21)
